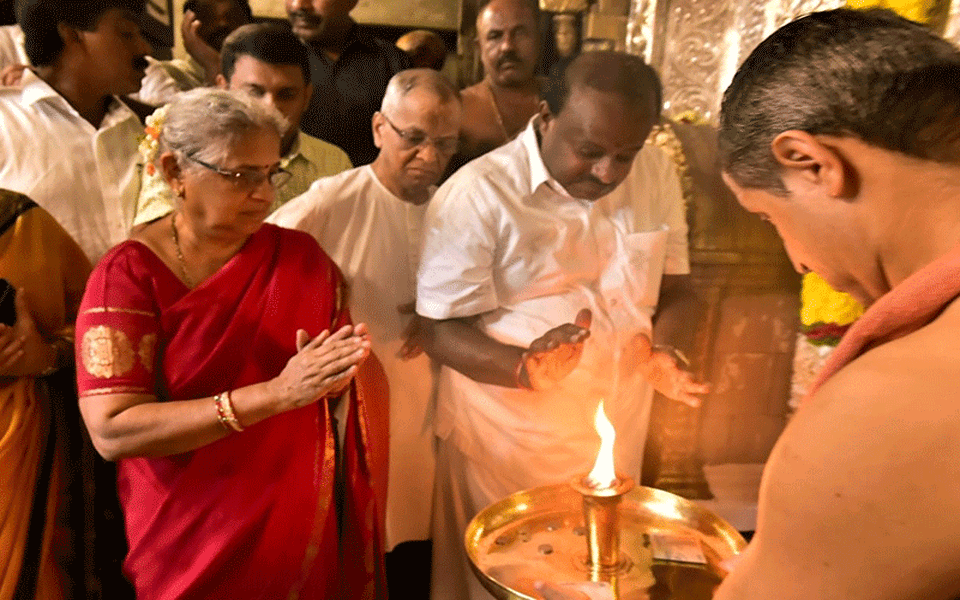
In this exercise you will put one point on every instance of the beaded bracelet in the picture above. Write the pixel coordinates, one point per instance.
(225, 412)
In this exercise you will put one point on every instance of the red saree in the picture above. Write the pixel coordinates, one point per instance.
(252, 515)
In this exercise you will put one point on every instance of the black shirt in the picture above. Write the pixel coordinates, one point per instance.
(347, 92)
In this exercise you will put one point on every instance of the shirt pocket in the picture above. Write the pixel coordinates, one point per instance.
(632, 281)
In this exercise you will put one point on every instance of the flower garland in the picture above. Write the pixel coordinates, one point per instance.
(149, 147)
(920, 11)
(825, 314)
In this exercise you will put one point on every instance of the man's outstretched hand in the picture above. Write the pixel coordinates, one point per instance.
(552, 356)
(661, 368)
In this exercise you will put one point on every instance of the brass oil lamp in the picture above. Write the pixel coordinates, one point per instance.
(602, 537)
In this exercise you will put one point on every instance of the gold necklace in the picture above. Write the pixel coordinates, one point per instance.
(176, 244)
(496, 111)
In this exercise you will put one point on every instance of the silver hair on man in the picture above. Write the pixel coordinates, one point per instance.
(405, 82)
(205, 123)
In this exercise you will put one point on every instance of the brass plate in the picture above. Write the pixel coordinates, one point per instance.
(538, 535)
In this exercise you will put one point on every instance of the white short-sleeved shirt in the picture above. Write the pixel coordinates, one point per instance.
(86, 177)
(504, 240)
(374, 237)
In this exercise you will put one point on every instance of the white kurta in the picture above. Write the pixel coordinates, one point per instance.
(86, 177)
(374, 237)
(503, 240)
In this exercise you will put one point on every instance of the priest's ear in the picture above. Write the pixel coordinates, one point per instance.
(810, 160)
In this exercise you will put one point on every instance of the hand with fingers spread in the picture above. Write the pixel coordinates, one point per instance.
(661, 368)
(23, 351)
(552, 356)
(322, 366)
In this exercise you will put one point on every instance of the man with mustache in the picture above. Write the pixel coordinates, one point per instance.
(206, 24)
(369, 221)
(573, 217)
(67, 139)
(498, 108)
(350, 71)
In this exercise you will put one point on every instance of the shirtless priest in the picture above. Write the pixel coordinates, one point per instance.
(843, 130)
(499, 107)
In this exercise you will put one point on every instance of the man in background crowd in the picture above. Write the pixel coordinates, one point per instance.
(369, 221)
(350, 72)
(268, 62)
(497, 108)
(67, 140)
(206, 24)
(425, 49)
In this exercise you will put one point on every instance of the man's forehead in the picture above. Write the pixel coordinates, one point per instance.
(504, 14)
(248, 67)
(426, 109)
(604, 118)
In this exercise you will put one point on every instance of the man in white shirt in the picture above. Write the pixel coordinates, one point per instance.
(67, 141)
(574, 217)
(369, 221)
(268, 62)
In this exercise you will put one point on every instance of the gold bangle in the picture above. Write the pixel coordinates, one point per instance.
(221, 414)
(225, 412)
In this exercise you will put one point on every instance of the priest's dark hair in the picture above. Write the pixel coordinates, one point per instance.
(267, 42)
(868, 74)
(40, 20)
(607, 71)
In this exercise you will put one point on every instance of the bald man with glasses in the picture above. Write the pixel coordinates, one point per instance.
(369, 221)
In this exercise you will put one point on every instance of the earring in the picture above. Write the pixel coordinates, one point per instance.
(180, 193)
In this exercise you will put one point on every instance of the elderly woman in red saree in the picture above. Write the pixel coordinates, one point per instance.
(216, 362)
(46, 271)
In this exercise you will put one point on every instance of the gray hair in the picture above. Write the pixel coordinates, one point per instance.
(206, 123)
(871, 75)
(405, 82)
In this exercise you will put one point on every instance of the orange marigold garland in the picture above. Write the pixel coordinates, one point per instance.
(825, 315)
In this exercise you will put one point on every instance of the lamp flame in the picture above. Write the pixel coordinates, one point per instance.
(603, 476)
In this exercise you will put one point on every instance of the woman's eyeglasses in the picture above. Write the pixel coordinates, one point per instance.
(417, 139)
(249, 178)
